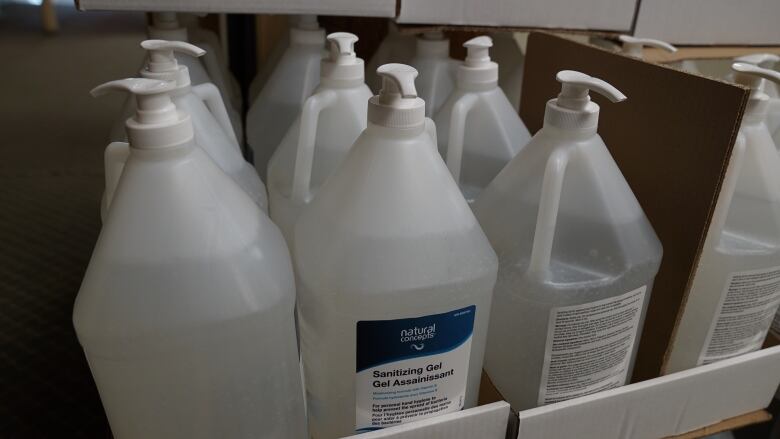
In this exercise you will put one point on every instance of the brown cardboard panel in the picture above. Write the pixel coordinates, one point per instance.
(671, 139)
(751, 418)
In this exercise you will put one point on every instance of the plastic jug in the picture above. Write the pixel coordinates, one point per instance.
(478, 130)
(395, 278)
(768, 61)
(575, 251)
(511, 62)
(185, 312)
(394, 48)
(736, 289)
(317, 142)
(210, 121)
(209, 40)
(437, 70)
(165, 26)
(281, 99)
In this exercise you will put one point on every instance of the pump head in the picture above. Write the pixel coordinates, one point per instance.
(753, 76)
(397, 104)
(156, 122)
(342, 65)
(765, 60)
(161, 60)
(573, 109)
(632, 46)
(478, 70)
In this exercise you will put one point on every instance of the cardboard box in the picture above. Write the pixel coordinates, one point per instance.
(357, 8)
(710, 22)
(614, 15)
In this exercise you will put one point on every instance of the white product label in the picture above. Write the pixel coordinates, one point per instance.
(589, 346)
(747, 305)
(410, 369)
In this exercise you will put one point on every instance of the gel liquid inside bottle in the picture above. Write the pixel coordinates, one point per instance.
(736, 289)
(478, 130)
(437, 70)
(331, 119)
(279, 102)
(395, 278)
(576, 252)
(185, 312)
(210, 120)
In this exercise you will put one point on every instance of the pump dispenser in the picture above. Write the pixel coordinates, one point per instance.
(210, 120)
(632, 46)
(185, 312)
(437, 70)
(394, 48)
(281, 99)
(478, 129)
(768, 61)
(735, 291)
(572, 242)
(166, 26)
(317, 142)
(389, 247)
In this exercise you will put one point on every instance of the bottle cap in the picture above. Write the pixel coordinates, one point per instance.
(632, 46)
(478, 69)
(397, 104)
(342, 64)
(573, 109)
(156, 123)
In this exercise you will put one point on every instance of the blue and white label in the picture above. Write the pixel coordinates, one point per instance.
(410, 369)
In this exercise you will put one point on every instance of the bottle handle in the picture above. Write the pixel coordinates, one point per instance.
(304, 157)
(114, 159)
(727, 192)
(549, 203)
(460, 111)
(210, 95)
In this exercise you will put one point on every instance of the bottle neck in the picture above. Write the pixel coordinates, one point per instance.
(574, 123)
(478, 78)
(395, 132)
(168, 152)
(160, 136)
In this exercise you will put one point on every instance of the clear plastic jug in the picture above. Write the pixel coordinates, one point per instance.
(437, 70)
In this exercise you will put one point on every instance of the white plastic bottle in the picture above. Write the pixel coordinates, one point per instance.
(185, 312)
(511, 62)
(437, 70)
(395, 48)
(210, 121)
(317, 142)
(736, 290)
(166, 26)
(633, 46)
(478, 130)
(576, 253)
(395, 278)
(281, 99)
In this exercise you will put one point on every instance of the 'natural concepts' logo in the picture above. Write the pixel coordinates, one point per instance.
(418, 334)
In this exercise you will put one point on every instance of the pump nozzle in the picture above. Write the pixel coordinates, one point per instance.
(397, 104)
(752, 76)
(478, 51)
(575, 87)
(632, 46)
(765, 60)
(397, 81)
(342, 47)
(162, 56)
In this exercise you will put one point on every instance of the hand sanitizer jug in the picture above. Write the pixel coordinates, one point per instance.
(395, 278)
(210, 121)
(166, 26)
(478, 130)
(736, 289)
(437, 70)
(633, 46)
(511, 63)
(185, 312)
(332, 118)
(577, 258)
(281, 99)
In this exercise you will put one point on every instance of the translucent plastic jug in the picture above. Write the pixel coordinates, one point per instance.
(185, 312)
(166, 26)
(317, 142)
(577, 259)
(281, 99)
(437, 70)
(736, 289)
(395, 278)
(207, 111)
(478, 130)
(511, 63)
